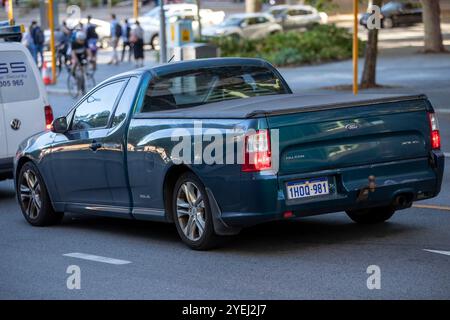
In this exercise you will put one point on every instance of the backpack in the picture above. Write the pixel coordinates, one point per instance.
(91, 33)
(39, 37)
(118, 30)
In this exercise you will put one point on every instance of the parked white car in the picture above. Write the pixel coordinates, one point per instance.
(24, 107)
(150, 20)
(297, 16)
(245, 25)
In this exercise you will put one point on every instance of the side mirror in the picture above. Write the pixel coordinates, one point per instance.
(59, 125)
(243, 24)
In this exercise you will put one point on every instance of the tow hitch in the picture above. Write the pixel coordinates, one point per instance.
(363, 193)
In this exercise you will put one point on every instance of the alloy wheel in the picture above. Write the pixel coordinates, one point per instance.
(30, 194)
(191, 211)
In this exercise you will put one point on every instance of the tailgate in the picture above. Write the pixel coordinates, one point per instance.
(316, 140)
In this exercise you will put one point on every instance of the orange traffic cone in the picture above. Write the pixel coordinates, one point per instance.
(46, 74)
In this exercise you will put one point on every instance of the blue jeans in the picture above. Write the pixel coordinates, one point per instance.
(40, 51)
(32, 49)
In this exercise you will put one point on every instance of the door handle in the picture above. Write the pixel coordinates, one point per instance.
(95, 145)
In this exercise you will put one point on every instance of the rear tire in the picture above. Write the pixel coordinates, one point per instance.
(192, 213)
(33, 198)
(371, 215)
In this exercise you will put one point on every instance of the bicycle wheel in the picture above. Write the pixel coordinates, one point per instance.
(90, 82)
(72, 85)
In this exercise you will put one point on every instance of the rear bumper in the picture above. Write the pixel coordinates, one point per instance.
(418, 179)
(6, 168)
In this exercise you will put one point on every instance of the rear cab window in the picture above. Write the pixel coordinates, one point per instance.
(197, 87)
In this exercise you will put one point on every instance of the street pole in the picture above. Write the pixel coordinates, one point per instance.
(355, 47)
(51, 22)
(162, 33)
(10, 10)
(135, 9)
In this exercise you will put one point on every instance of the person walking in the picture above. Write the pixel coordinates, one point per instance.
(126, 30)
(38, 38)
(27, 41)
(116, 33)
(92, 38)
(137, 39)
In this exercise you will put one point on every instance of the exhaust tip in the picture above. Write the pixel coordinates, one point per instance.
(403, 201)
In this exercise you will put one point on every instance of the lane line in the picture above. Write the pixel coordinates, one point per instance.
(92, 257)
(431, 206)
(442, 110)
(447, 253)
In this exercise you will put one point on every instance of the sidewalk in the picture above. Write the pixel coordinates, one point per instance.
(103, 72)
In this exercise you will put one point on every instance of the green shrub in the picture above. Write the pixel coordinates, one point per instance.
(320, 44)
(31, 4)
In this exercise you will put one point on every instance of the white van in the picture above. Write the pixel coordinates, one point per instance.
(24, 107)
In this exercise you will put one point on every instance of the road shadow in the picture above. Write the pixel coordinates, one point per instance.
(6, 190)
(281, 236)
(140, 230)
(316, 231)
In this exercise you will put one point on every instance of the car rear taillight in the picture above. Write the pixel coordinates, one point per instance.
(257, 154)
(48, 117)
(434, 128)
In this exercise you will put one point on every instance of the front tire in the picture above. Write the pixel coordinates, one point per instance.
(155, 42)
(33, 198)
(371, 215)
(388, 23)
(192, 213)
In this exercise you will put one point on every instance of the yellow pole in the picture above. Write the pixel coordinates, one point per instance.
(10, 10)
(355, 47)
(51, 23)
(135, 9)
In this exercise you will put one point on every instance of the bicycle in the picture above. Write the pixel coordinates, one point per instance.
(81, 79)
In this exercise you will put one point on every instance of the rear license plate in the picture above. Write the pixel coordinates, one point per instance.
(307, 188)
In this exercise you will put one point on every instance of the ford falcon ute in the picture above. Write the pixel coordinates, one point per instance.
(217, 145)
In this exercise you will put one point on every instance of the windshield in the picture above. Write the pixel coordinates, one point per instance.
(277, 12)
(232, 21)
(154, 13)
(194, 88)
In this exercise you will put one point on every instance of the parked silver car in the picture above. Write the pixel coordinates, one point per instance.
(245, 25)
(297, 16)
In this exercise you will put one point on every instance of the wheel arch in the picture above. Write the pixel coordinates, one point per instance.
(170, 178)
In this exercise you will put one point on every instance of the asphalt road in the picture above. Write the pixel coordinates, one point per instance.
(324, 257)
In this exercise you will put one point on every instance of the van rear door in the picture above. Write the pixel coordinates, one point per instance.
(23, 95)
(3, 148)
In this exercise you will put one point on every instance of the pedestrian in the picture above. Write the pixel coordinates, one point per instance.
(126, 29)
(28, 42)
(38, 39)
(116, 33)
(137, 39)
(92, 38)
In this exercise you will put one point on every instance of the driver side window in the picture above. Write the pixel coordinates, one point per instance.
(94, 112)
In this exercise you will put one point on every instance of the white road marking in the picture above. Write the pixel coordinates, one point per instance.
(96, 258)
(431, 206)
(447, 253)
(442, 110)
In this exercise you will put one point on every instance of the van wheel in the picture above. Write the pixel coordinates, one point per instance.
(192, 213)
(33, 198)
(371, 215)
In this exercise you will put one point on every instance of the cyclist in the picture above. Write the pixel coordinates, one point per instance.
(79, 49)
